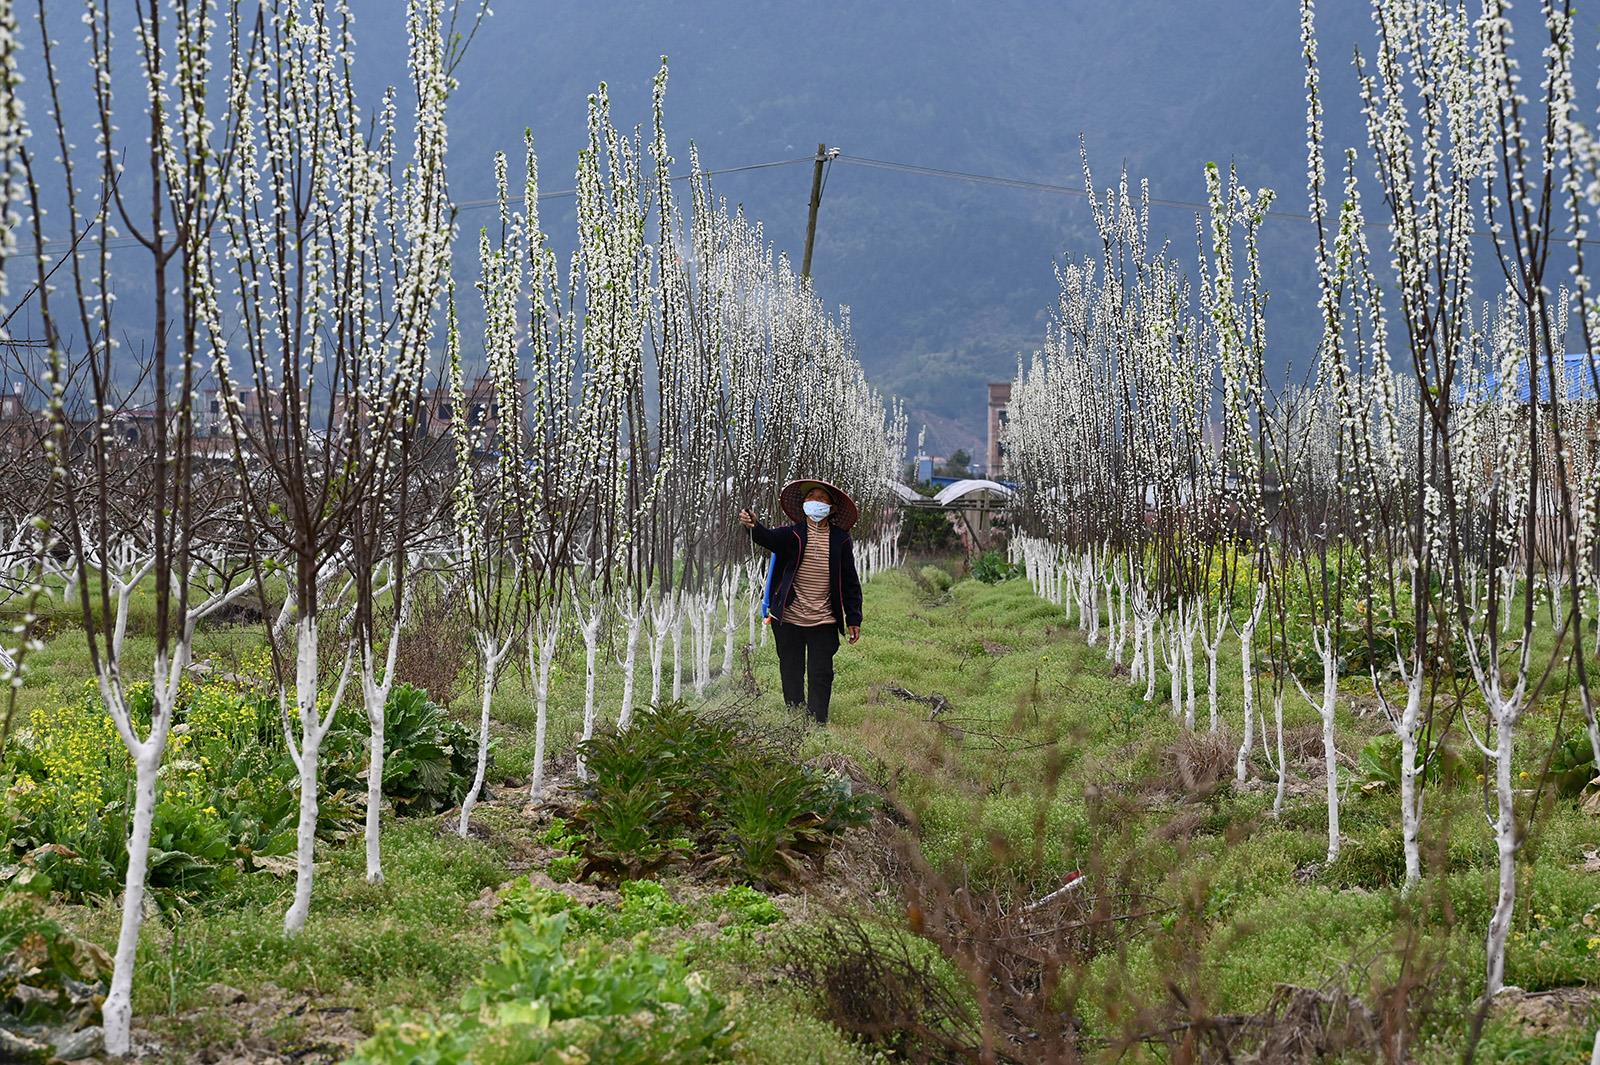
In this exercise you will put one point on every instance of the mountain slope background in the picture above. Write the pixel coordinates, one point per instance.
(947, 281)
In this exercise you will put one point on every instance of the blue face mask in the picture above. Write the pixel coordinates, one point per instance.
(816, 510)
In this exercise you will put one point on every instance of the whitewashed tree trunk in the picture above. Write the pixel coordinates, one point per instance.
(703, 620)
(1085, 581)
(1212, 644)
(1088, 619)
(125, 589)
(1505, 843)
(147, 754)
(660, 625)
(679, 617)
(1136, 668)
(699, 646)
(706, 620)
(286, 615)
(1094, 611)
(1124, 607)
(492, 655)
(1410, 800)
(756, 572)
(306, 836)
(542, 655)
(1107, 588)
(1117, 612)
(1067, 577)
(1150, 672)
(313, 727)
(692, 623)
(1505, 712)
(1188, 620)
(375, 689)
(1172, 654)
(1034, 558)
(1326, 643)
(1330, 753)
(633, 614)
(589, 626)
(375, 697)
(730, 597)
(1247, 676)
(117, 1013)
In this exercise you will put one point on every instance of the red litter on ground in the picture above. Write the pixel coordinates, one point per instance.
(1074, 880)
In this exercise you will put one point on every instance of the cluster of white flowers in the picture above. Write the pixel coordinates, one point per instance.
(1109, 435)
(633, 399)
(1419, 508)
(642, 400)
(289, 253)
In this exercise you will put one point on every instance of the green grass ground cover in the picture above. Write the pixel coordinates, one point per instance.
(1041, 760)
(1045, 762)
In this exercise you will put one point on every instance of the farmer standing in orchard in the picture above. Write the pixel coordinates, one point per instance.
(814, 592)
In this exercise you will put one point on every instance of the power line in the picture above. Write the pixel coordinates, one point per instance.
(988, 179)
(561, 194)
(968, 176)
(51, 246)
(1075, 190)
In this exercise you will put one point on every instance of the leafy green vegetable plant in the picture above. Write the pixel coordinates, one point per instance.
(429, 757)
(992, 568)
(683, 785)
(228, 795)
(543, 1001)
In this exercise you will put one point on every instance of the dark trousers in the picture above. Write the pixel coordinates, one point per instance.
(805, 662)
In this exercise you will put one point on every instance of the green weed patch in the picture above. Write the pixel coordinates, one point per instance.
(709, 790)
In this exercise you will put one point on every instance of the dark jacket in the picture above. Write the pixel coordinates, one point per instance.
(788, 544)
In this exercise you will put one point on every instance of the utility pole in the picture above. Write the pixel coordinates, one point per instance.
(816, 202)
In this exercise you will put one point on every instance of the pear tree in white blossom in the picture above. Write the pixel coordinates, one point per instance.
(338, 264)
(134, 513)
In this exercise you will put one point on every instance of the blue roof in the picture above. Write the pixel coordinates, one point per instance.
(1577, 381)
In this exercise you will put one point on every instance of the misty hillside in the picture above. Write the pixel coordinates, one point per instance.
(947, 280)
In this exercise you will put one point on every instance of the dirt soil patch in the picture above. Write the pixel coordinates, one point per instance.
(274, 1027)
(1548, 1012)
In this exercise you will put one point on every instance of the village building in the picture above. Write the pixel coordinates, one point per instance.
(995, 455)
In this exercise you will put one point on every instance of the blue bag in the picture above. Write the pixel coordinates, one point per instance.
(766, 593)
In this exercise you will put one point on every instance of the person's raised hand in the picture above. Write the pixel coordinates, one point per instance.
(855, 633)
(747, 519)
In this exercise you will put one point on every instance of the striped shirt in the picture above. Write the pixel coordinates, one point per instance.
(812, 604)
